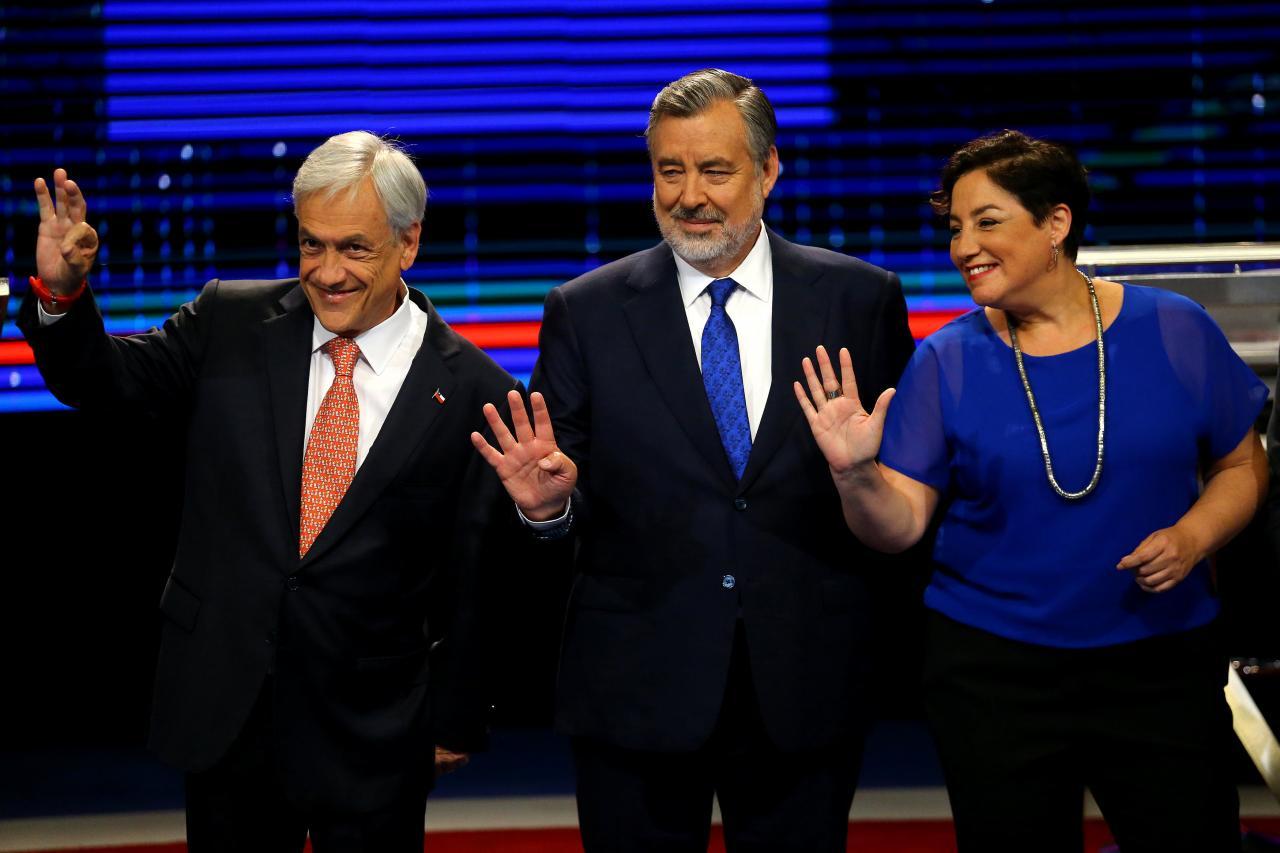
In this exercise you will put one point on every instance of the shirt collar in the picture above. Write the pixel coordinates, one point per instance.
(378, 344)
(752, 275)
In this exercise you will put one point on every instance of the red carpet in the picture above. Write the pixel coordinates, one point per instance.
(864, 837)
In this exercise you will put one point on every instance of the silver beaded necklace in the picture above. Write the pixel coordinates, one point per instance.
(1102, 399)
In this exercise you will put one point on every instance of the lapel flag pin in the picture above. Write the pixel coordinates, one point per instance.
(438, 397)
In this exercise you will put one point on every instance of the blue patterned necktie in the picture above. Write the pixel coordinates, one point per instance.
(722, 377)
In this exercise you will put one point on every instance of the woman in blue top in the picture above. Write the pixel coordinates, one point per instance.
(1089, 444)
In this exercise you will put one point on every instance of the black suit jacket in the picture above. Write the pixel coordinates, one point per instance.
(400, 566)
(661, 520)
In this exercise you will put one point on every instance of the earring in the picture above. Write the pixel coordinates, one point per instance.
(1053, 259)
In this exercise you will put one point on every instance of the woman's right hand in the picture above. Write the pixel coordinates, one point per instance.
(848, 436)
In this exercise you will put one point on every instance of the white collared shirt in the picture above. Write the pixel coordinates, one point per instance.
(386, 353)
(750, 307)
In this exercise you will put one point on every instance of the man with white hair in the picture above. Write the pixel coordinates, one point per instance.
(336, 529)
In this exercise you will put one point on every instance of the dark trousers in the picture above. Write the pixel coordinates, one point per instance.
(240, 804)
(1022, 730)
(771, 802)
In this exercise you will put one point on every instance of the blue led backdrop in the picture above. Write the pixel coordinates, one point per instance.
(184, 123)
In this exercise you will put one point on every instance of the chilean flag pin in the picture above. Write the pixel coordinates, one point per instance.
(438, 397)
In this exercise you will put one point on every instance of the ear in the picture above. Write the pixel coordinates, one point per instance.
(1059, 222)
(769, 170)
(409, 245)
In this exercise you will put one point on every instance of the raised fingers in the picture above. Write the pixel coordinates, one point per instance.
(43, 200)
(848, 382)
(519, 417)
(805, 405)
(830, 384)
(500, 431)
(541, 418)
(487, 451)
(815, 385)
(75, 205)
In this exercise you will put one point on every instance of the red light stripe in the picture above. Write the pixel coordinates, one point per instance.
(15, 352)
(500, 335)
(511, 335)
(925, 323)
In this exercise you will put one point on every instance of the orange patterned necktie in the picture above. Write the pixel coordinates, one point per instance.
(330, 461)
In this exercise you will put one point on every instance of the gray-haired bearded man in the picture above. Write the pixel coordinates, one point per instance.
(718, 637)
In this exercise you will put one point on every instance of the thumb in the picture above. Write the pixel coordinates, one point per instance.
(553, 462)
(77, 241)
(881, 410)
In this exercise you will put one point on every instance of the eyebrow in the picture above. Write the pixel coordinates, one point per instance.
(978, 210)
(358, 237)
(702, 164)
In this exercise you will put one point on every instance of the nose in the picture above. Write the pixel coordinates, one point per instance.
(330, 270)
(963, 246)
(692, 193)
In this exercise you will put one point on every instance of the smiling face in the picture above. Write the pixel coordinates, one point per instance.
(350, 261)
(996, 243)
(708, 194)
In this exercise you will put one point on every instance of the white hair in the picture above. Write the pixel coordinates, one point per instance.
(344, 161)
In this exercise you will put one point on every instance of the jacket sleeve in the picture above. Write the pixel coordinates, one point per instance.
(86, 368)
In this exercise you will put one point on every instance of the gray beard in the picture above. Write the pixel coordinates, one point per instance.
(707, 248)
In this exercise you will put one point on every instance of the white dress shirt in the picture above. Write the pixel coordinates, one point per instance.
(750, 307)
(386, 352)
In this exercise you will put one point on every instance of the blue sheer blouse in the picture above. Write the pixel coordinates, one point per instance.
(1014, 558)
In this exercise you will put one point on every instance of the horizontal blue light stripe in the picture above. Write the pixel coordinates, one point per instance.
(413, 100)
(491, 313)
(28, 401)
(319, 126)
(655, 74)
(507, 53)
(1215, 177)
(1083, 64)
(518, 361)
(1024, 42)
(148, 10)
(432, 32)
(26, 377)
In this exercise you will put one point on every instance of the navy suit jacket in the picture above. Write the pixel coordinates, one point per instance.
(402, 565)
(672, 548)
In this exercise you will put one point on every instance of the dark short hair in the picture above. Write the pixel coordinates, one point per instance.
(698, 91)
(1039, 173)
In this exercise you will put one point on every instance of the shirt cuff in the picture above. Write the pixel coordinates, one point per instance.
(552, 528)
(47, 319)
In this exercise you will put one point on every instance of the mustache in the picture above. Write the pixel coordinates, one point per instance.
(705, 212)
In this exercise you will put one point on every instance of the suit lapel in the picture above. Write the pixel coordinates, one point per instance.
(410, 419)
(799, 317)
(286, 343)
(659, 326)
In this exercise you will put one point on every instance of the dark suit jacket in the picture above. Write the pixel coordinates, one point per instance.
(661, 520)
(345, 629)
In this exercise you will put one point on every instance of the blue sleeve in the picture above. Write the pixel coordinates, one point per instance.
(915, 442)
(1226, 394)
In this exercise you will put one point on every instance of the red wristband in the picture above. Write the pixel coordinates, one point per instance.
(44, 294)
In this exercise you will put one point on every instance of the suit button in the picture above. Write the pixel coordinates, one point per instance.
(292, 582)
(728, 582)
(739, 503)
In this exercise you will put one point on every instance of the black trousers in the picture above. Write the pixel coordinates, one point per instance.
(771, 802)
(1023, 729)
(240, 804)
